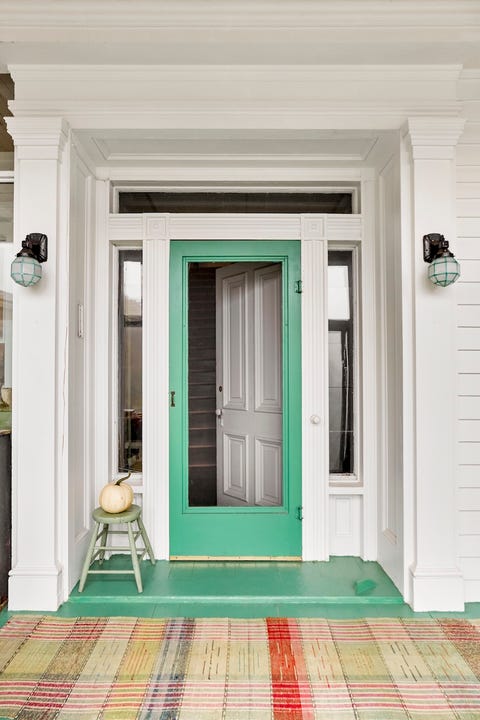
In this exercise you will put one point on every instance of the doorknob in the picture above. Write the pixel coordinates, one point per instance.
(219, 412)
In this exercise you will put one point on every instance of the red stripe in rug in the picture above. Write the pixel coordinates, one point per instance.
(289, 701)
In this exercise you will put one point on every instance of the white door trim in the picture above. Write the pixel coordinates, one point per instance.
(313, 231)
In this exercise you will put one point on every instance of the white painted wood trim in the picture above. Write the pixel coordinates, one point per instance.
(367, 435)
(315, 422)
(101, 386)
(156, 418)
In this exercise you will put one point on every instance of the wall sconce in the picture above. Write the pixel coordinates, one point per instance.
(26, 269)
(444, 269)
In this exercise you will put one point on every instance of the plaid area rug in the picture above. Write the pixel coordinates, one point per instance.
(282, 669)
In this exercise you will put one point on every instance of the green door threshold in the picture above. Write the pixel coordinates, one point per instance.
(341, 580)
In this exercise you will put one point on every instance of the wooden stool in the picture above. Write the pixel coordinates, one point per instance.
(134, 513)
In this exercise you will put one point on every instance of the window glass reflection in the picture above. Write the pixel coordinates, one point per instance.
(340, 362)
(130, 360)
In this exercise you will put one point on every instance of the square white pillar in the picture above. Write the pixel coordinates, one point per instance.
(39, 364)
(435, 580)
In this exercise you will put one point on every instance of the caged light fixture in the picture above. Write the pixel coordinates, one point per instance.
(26, 268)
(444, 269)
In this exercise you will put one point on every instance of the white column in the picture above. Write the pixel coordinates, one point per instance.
(38, 374)
(435, 580)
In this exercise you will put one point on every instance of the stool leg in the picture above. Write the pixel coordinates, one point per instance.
(103, 541)
(88, 558)
(146, 540)
(135, 563)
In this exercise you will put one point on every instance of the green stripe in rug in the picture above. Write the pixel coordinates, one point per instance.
(234, 669)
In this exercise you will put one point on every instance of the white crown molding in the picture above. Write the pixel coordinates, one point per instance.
(29, 14)
(315, 115)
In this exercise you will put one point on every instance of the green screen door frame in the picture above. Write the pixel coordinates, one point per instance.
(233, 532)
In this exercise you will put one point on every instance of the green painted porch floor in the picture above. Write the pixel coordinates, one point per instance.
(248, 589)
(248, 583)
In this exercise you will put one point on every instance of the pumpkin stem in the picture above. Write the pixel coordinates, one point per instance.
(120, 480)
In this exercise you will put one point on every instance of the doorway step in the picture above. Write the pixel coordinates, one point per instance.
(242, 588)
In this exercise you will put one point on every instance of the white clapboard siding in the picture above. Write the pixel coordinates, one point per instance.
(468, 293)
(469, 409)
(468, 430)
(468, 338)
(468, 190)
(466, 247)
(468, 316)
(468, 361)
(468, 384)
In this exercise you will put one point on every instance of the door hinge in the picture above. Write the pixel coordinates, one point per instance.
(298, 286)
(300, 512)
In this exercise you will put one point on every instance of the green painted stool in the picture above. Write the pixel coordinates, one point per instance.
(128, 517)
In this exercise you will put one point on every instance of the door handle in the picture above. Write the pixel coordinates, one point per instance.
(172, 398)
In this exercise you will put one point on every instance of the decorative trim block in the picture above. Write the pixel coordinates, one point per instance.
(155, 227)
(313, 227)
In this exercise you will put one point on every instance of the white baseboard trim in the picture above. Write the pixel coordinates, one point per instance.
(437, 589)
(35, 589)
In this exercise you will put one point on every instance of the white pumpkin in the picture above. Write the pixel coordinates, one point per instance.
(116, 497)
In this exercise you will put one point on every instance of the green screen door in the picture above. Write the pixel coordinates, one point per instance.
(235, 400)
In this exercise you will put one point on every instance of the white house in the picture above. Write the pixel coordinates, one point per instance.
(182, 136)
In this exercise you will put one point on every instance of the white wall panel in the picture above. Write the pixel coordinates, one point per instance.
(345, 524)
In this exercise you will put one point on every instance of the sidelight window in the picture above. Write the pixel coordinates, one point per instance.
(341, 358)
(130, 360)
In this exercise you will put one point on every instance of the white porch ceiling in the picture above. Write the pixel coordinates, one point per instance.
(177, 147)
(220, 148)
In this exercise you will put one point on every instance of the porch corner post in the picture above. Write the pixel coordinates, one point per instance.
(39, 485)
(436, 582)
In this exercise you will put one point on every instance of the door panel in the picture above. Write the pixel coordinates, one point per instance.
(249, 375)
(258, 371)
(268, 339)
